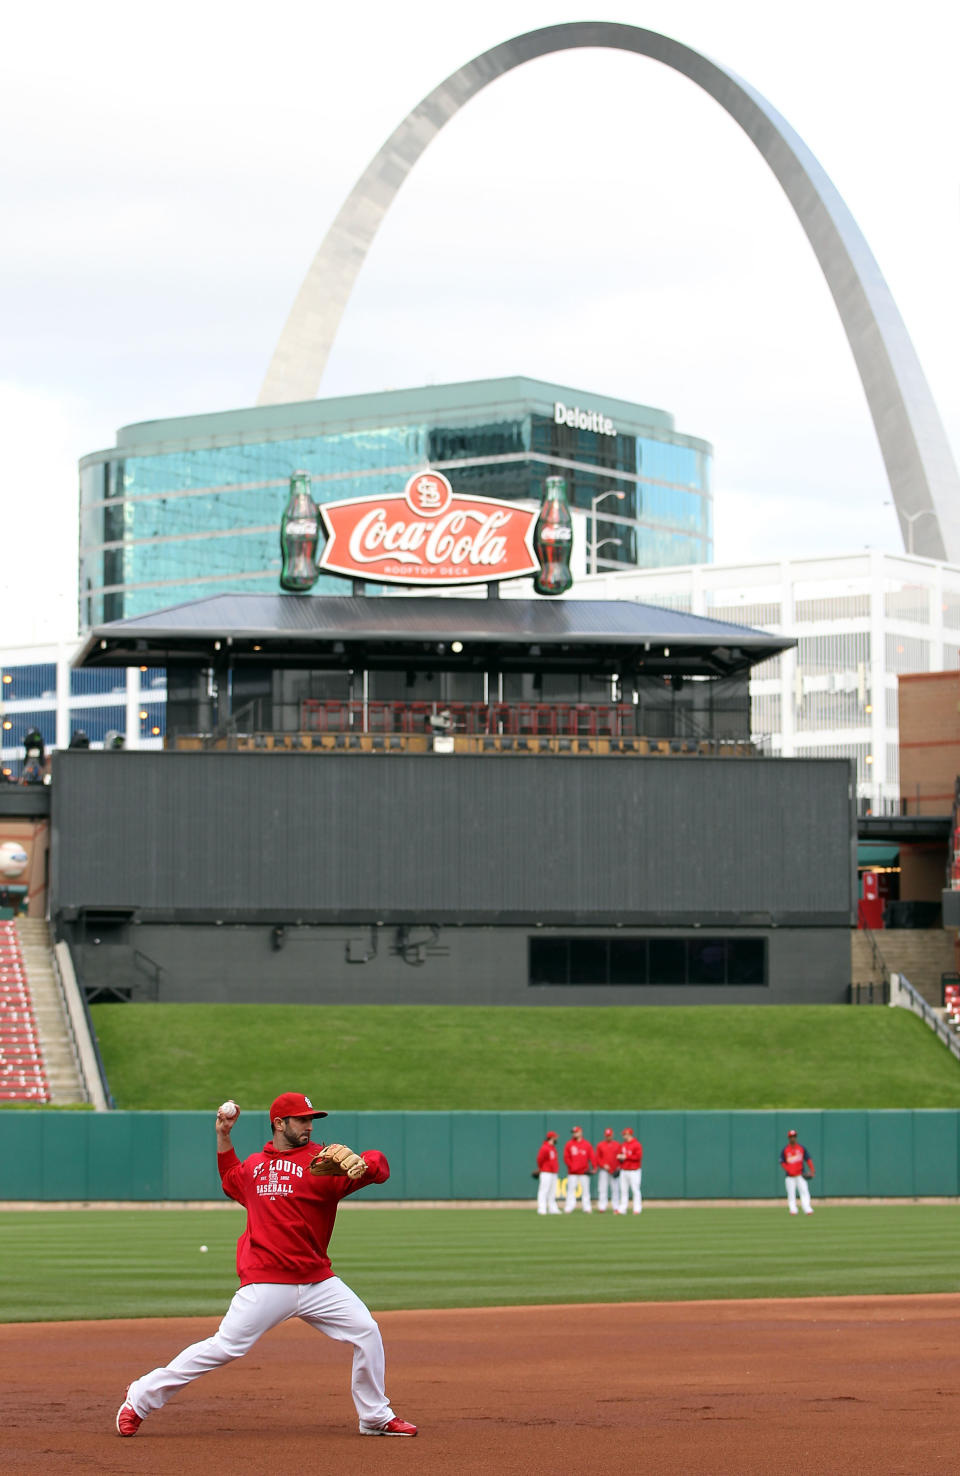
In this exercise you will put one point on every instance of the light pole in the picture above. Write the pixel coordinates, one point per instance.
(594, 545)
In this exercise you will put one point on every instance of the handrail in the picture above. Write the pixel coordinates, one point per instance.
(879, 962)
(94, 1074)
(495, 717)
(904, 995)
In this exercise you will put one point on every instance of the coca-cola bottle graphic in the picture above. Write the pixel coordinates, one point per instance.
(553, 540)
(298, 537)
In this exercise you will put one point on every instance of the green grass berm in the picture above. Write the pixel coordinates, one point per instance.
(472, 1058)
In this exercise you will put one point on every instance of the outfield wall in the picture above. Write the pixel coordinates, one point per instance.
(149, 1156)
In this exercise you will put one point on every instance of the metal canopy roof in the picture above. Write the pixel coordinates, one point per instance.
(382, 632)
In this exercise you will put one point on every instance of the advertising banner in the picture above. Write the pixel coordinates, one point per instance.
(428, 535)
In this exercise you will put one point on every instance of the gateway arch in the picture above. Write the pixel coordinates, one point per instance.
(919, 463)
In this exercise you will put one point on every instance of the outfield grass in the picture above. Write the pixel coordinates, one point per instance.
(75, 1264)
(420, 1057)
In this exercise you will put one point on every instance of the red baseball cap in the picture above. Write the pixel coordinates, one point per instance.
(551, 1135)
(293, 1104)
(625, 1131)
(791, 1132)
(576, 1128)
(608, 1132)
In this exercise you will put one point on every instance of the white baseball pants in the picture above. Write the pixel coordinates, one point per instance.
(330, 1306)
(547, 1195)
(630, 1188)
(608, 1188)
(795, 1182)
(584, 1182)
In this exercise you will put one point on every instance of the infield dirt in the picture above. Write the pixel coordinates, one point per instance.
(833, 1387)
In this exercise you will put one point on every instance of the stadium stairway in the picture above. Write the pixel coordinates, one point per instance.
(922, 954)
(57, 1063)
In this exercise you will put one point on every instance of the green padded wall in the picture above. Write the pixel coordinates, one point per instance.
(89, 1156)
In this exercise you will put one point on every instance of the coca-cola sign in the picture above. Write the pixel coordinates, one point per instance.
(428, 534)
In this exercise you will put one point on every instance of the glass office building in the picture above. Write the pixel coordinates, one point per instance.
(184, 508)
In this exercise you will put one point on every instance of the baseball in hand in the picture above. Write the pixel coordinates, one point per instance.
(229, 1108)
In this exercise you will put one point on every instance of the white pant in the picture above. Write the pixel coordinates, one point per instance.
(795, 1182)
(572, 1181)
(330, 1306)
(608, 1187)
(630, 1186)
(547, 1195)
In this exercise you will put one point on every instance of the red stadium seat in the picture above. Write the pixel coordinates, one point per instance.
(22, 1074)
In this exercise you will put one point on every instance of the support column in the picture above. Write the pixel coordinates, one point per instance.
(132, 721)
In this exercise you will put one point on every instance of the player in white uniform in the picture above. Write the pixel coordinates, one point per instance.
(548, 1164)
(794, 1159)
(291, 1192)
(631, 1173)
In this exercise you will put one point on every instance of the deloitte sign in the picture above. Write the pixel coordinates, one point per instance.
(589, 420)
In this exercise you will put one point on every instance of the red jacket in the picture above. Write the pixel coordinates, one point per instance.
(578, 1156)
(608, 1155)
(548, 1159)
(632, 1154)
(290, 1212)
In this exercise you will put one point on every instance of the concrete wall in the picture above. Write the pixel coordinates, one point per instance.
(177, 963)
(490, 1155)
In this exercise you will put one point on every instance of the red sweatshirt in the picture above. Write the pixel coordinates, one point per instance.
(608, 1155)
(632, 1154)
(578, 1156)
(290, 1212)
(548, 1159)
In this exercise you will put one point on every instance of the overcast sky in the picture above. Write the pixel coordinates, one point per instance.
(591, 219)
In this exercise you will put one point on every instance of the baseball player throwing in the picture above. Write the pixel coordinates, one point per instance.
(793, 1159)
(291, 1191)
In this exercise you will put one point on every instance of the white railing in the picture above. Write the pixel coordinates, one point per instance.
(902, 993)
(80, 1029)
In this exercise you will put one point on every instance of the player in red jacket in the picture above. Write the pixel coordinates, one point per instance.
(631, 1172)
(284, 1268)
(579, 1158)
(608, 1154)
(792, 1160)
(548, 1163)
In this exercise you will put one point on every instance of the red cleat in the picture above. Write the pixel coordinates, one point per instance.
(128, 1421)
(392, 1427)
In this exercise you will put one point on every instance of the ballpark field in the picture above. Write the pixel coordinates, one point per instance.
(720, 1339)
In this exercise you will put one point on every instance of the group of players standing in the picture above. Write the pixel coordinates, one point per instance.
(617, 1166)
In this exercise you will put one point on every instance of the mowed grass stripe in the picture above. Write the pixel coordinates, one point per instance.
(59, 1265)
(390, 1058)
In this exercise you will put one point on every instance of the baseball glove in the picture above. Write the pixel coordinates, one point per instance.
(335, 1158)
(808, 1173)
